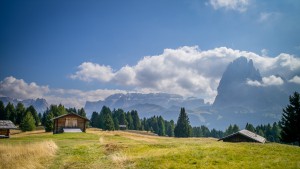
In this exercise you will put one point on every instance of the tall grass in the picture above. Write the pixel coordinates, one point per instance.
(33, 155)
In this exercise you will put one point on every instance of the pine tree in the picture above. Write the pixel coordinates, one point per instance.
(229, 130)
(10, 112)
(250, 127)
(235, 128)
(183, 128)
(116, 123)
(81, 112)
(290, 122)
(34, 114)
(135, 120)
(170, 128)
(122, 120)
(49, 122)
(2, 111)
(108, 123)
(276, 132)
(161, 126)
(20, 112)
(94, 119)
(28, 122)
(129, 121)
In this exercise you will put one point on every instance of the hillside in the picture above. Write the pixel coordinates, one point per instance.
(118, 149)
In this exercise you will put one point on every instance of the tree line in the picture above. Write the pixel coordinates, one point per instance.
(28, 119)
(287, 130)
(112, 120)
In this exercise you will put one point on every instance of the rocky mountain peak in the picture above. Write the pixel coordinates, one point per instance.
(232, 86)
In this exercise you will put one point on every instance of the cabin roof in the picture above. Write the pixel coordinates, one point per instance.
(7, 124)
(247, 134)
(70, 114)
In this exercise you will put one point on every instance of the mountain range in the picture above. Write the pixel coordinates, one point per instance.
(39, 104)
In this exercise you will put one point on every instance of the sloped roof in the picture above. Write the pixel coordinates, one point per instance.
(7, 124)
(248, 134)
(70, 114)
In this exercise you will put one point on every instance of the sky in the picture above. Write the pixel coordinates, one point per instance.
(72, 51)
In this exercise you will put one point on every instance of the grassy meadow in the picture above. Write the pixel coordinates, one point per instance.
(122, 149)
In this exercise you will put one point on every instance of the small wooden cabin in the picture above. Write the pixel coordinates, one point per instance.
(69, 123)
(244, 136)
(5, 126)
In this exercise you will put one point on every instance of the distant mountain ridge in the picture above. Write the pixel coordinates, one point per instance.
(167, 105)
(39, 104)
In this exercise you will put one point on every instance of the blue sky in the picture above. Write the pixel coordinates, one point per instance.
(63, 47)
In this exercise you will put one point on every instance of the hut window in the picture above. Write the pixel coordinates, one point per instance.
(71, 122)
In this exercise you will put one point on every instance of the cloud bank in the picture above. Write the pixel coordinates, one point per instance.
(18, 88)
(188, 71)
(267, 81)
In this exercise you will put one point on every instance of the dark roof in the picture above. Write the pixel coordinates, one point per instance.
(247, 134)
(7, 124)
(70, 114)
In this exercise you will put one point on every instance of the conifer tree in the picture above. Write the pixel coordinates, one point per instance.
(28, 122)
(116, 123)
(161, 126)
(183, 128)
(108, 123)
(20, 112)
(129, 121)
(10, 112)
(170, 128)
(81, 112)
(2, 111)
(34, 114)
(94, 119)
(250, 127)
(290, 122)
(135, 120)
(122, 119)
(49, 122)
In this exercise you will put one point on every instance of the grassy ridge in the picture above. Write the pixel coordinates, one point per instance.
(101, 149)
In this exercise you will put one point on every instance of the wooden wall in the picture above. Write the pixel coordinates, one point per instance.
(4, 132)
(59, 123)
(238, 138)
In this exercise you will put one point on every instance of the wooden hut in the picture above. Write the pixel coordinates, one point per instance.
(5, 126)
(244, 136)
(69, 123)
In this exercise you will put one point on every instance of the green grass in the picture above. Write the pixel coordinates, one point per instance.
(100, 149)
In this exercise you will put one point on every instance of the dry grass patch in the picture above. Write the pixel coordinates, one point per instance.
(34, 155)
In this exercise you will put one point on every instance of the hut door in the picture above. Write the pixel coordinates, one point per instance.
(71, 122)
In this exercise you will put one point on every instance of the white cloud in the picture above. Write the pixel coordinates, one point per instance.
(295, 79)
(267, 81)
(188, 71)
(89, 71)
(238, 5)
(18, 88)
